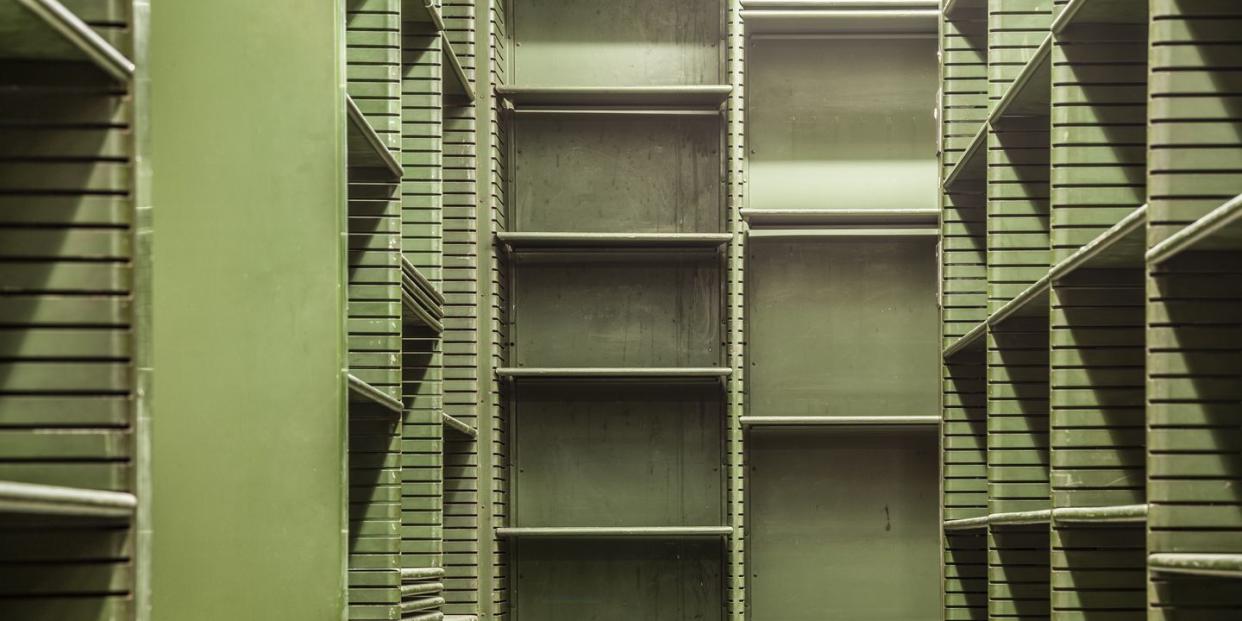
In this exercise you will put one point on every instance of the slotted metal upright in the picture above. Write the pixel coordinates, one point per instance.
(75, 287)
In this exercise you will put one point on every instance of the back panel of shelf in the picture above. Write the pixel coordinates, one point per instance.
(842, 327)
(600, 454)
(616, 42)
(617, 310)
(617, 173)
(814, 143)
(831, 514)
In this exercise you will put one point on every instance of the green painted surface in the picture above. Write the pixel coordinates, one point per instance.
(845, 327)
(599, 454)
(249, 327)
(842, 525)
(855, 133)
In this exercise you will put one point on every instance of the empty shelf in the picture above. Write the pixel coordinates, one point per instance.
(30, 498)
(420, 588)
(1219, 229)
(1122, 245)
(971, 340)
(451, 422)
(953, 8)
(424, 603)
(424, 303)
(422, 11)
(592, 532)
(966, 524)
(1100, 12)
(840, 421)
(410, 271)
(972, 169)
(614, 372)
(1021, 518)
(854, 18)
(413, 574)
(1122, 514)
(1030, 92)
(519, 241)
(366, 149)
(711, 95)
(46, 30)
(362, 392)
(1031, 302)
(456, 82)
(841, 217)
(1218, 565)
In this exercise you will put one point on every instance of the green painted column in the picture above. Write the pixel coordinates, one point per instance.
(248, 435)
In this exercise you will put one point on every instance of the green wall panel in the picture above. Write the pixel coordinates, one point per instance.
(816, 144)
(249, 304)
(842, 525)
(820, 346)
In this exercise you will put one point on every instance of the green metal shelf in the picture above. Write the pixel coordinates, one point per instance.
(1120, 246)
(952, 7)
(422, 11)
(601, 532)
(522, 241)
(840, 217)
(421, 604)
(1079, 12)
(1020, 518)
(698, 96)
(1219, 229)
(47, 30)
(849, 16)
(845, 231)
(1029, 95)
(614, 372)
(413, 574)
(366, 149)
(966, 524)
(973, 167)
(427, 616)
(456, 424)
(1214, 565)
(839, 421)
(971, 340)
(1122, 514)
(420, 297)
(31, 498)
(1030, 302)
(362, 392)
(456, 82)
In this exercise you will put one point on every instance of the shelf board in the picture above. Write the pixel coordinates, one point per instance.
(31, 498)
(1214, 565)
(966, 524)
(839, 421)
(971, 340)
(1079, 12)
(459, 618)
(591, 532)
(1219, 229)
(409, 270)
(366, 149)
(1030, 93)
(414, 574)
(1121, 246)
(840, 217)
(973, 167)
(700, 96)
(557, 373)
(456, 82)
(422, 11)
(420, 298)
(953, 8)
(840, 17)
(1031, 302)
(47, 30)
(1121, 514)
(1021, 518)
(362, 392)
(806, 232)
(419, 313)
(456, 424)
(522, 241)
